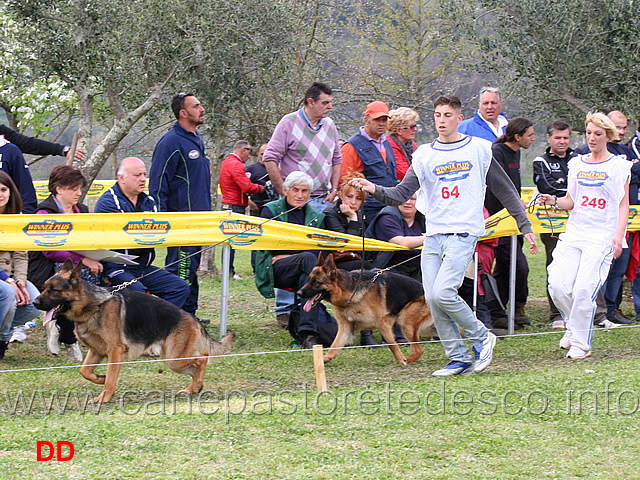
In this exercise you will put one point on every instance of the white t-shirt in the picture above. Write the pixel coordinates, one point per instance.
(596, 190)
(453, 177)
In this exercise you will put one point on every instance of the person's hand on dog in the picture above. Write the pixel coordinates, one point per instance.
(533, 241)
(363, 184)
(94, 265)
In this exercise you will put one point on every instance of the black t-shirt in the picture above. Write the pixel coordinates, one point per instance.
(509, 160)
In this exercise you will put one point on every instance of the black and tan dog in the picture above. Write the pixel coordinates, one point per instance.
(125, 324)
(363, 304)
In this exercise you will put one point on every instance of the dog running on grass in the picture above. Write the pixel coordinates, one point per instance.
(391, 298)
(125, 324)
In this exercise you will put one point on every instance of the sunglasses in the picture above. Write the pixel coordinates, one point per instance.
(410, 127)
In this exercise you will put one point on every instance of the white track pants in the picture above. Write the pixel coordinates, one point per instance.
(576, 275)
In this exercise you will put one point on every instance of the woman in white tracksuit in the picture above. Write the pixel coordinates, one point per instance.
(598, 197)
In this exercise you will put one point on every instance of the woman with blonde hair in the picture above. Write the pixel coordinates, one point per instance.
(598, 197)
(402, 127)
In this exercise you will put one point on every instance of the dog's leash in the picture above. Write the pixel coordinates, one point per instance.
(531, 208)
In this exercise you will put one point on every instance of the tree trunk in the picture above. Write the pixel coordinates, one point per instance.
(120, 129)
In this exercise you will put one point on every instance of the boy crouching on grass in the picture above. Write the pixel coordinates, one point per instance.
(454, 171)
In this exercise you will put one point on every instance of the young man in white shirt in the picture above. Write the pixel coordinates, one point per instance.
(453, 172)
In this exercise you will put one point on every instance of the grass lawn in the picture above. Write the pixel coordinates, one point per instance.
(533, 414)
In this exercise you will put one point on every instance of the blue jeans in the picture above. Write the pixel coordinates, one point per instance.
(317, 203)
(614, 280)
(285, 301)
(444, 261)
(12, 315)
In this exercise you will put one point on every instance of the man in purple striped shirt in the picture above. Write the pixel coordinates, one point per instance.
(307, 141)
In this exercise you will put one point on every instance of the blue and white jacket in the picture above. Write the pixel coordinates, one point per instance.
(180, 176)
(477, 127)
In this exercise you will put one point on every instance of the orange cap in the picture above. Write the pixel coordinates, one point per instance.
(377, 109)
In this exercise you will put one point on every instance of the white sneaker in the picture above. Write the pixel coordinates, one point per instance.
(19, 334)
(73, 352)
(483, 353)
(607, 324)
(453, 368)
(577, 354)
(236, 276)
(53, 345)
(558, 325)
(565, 341)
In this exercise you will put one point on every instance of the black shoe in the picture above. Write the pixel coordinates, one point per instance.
(310, 341)
(618, 317)
(203, 321)
(3, 348)
(499, 332)
(500, 322)
(367, 339)
(399, 336)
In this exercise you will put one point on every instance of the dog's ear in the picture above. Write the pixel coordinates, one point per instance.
(67, 266)
(329, 263)
(320, 260)
(75, 277)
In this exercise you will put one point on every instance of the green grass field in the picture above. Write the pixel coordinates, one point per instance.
(532, 415)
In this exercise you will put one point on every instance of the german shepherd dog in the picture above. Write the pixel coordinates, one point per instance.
(125, 324)
(363, 304)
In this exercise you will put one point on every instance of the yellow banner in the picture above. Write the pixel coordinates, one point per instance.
(543, 220)
(130, 230)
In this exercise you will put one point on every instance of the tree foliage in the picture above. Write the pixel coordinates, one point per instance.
(122, 57)
(26, 98)
(565, 58)
(403, 52)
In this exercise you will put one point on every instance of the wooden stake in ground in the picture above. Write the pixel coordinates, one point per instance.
(318, 365)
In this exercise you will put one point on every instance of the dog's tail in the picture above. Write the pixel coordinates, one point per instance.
(220, 347)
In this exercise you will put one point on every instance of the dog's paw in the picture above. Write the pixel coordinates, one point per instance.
(186, 391)
(100, 399)
(327, 359)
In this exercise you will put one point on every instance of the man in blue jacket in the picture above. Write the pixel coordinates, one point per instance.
(180, 181)
(488, 122)
(127, 195)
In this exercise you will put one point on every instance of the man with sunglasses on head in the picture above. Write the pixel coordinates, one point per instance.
(180, 181)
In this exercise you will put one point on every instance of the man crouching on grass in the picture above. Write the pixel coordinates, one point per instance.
(454, 172)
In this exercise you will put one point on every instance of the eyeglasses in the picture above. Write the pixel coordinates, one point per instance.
(247, 148)
(410, 127)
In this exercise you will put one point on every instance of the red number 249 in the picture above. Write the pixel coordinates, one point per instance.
(600, 203)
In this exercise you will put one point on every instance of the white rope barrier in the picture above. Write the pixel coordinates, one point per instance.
(289, 350)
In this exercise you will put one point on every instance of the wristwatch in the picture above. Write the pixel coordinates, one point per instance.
(65, 150)
(10, 280)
